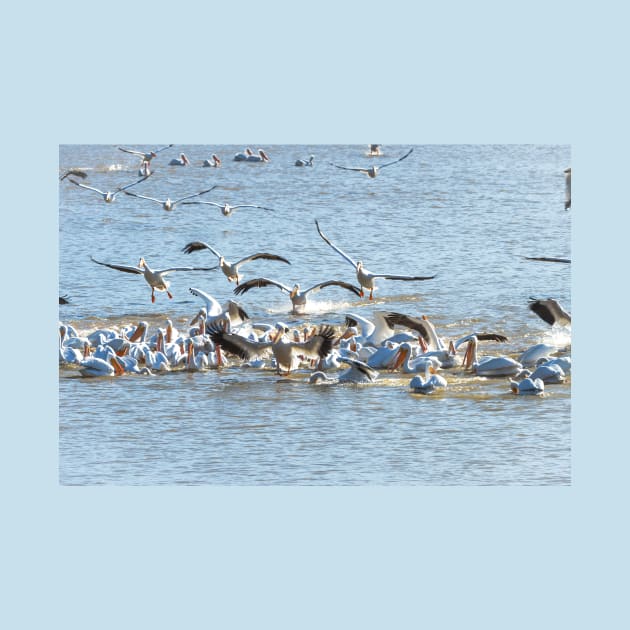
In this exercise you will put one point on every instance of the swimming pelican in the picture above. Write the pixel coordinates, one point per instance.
(550, 311)
(372, 171)
(231, 269)
(93, 366)
(286, 353)
(374, 150)
(182, 161)
(308, 162)
(358, 372)
(489, 366)
(536, 352)
(298, 297)
(243, 155)
(146, 156)
(226, 208)
(429, 383)
(366, 278)
(527, 386)
(167, 203)
(109, 196)
(261, 157)
(567, 188)
(154, 277)
(214, 162)
(548, 373)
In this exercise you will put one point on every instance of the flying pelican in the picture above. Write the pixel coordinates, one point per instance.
(358, 372)
(550, 311)
(567, 188)
(286, 353)
(109, 196)
(215, 161)
(372, 171)
(167, 203)
(231, 269)
(154, 277)
(146, 157)
(74, 171)
(366, 278)
(182, 161)
(308, 162)
(226, 208)
(298, 297)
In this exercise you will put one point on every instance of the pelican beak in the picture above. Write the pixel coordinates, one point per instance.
(432, 370)
(423, 344)
(467, 362)
(451, 348)
(400, 358)
(118, 368)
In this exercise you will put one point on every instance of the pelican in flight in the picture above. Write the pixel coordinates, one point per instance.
(182, 161)
(154, 277)
(167, 203)
(286, 353)
(567, 188)
(226, 208)
(372, 171)
(550, 311)
(214, 161)
(308, 162)
(366, 278)
(109, 196)
(146, 157)
(231, 269)
(298, 297)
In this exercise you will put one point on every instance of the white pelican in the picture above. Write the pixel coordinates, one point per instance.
(154, 277)
(563, 362)
(372, 171)
(146, 156)
(298, 296)
(167, 203)
(109, 196)
(358, 372)
(182, 161)
(548, 373)
(374, 150)
(231, 269)
(567, 188)
(226, 208)
(195, 361)
(527, 386)
(286, 353)
(366, 278)
(74, 171)
(67, 354)
(214, 311)
(489, 366)
(429, 383)
(93, 366)
(410, 364)
(261, 157)
(536, 352)
(550, 311)
(214, 161)
(243, 155)
(308, 162)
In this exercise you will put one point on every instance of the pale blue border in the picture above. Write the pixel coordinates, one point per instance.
(256, 72)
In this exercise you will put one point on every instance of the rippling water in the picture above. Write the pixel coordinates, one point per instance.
(468, 213)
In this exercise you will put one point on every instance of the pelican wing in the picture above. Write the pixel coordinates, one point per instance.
(165, 271)
(407, 321)
(334, 283)
(203, 192)
(131, 151)
(64, 299)
(74, 171)
(395, 277)
(249, 205)
(491, 337)
(257, 283)
(122, 188)
(262, 256)
(349, 168)
(133, 194)
(319, 345)
(209, 203)
(339, 251)
(213, 307)
(549, 259)
(196, 246)
(168, 146)
(87, 187)
(240, 346)
(362, 367)
(550, 311)
(398, 160)
(125, 268)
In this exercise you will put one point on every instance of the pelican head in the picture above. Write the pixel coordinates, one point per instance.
(226, 210)
(359, 265)
(184, 159)
(153, 154)
(295, 290)
(263, 155)
(142, 264)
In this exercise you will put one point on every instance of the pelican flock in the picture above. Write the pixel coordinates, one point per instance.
(360, 348)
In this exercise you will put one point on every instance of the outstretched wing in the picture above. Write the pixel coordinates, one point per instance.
(257, 283)
(549, 259)
(133, 194)
(74, 171)
(348, 168)
(319, 345)
(240, 346)
(339, 251)
(100, 192)
(550, 311)
(131, 151)
(168, 146)
(262, 256)
(249, 205)
(395, 277)
(334, 283)
(122, 188)
(209, 203)
(203, 192)
(213, 307)
(491, 337)
(398, 160)
(407, 321)
(196, 246)
(362, 367)
(125, 268)
(165, 271)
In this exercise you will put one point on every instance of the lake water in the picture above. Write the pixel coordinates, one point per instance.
(467, 213)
